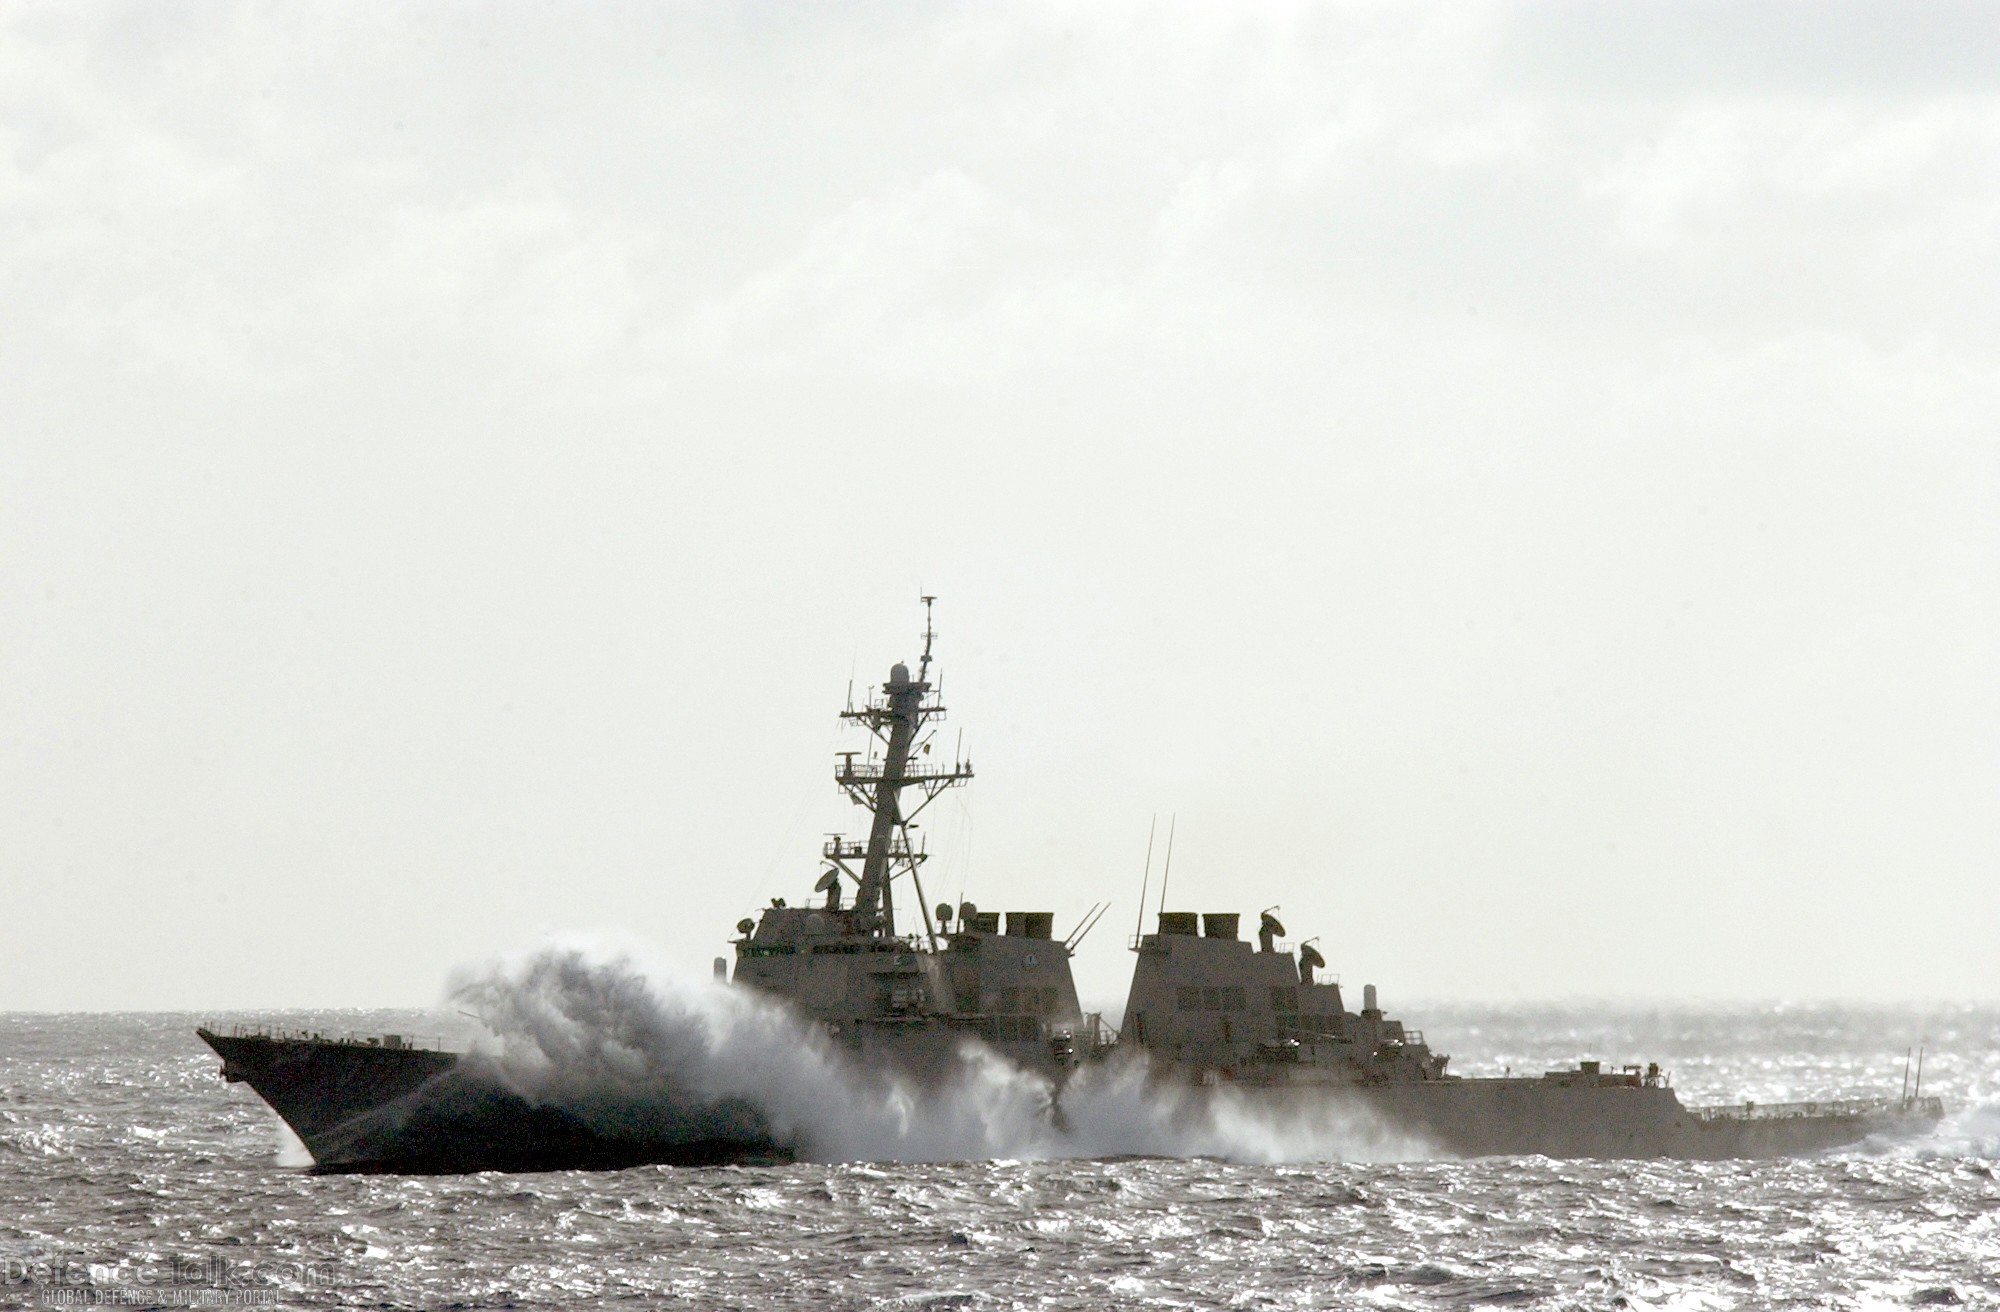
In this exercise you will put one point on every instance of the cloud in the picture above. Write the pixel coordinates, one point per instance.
(1532, 428)
(935, 279)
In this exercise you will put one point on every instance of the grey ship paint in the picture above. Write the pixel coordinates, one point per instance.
(1209, 1010)
(914, 1000)
(1205, 1011)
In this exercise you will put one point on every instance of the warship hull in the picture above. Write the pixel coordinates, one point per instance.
(364, 1108)
(1533, 1117)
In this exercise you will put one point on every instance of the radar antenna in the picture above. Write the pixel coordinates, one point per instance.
(930, 635)
(1309, 961)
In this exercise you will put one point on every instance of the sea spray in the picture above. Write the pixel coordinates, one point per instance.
(1119, 1109)
(627, 1049)
(292, 1150)
(1971, 1133)
(618, 1045)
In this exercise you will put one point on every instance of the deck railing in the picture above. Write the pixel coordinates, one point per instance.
(410, 1042)
(1780, 1111)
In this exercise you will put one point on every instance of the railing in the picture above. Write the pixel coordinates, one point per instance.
(845, 849)
(1096, 1036)
(1781, 1111)
(874, 773)
(346, 1038)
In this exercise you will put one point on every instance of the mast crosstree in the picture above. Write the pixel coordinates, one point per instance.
(901, 717)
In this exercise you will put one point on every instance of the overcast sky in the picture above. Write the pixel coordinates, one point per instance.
(1517, 482)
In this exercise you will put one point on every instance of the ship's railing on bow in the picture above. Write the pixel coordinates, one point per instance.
(392, 1042)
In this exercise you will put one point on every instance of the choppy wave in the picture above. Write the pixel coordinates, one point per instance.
(122, 1156)
(1970, 1133)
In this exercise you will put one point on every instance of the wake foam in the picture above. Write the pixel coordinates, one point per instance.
(621, 1047)
(1972, 1132)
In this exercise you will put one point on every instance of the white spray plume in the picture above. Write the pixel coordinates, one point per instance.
(292, 1150)
(618, 1044)
(1972, 1132)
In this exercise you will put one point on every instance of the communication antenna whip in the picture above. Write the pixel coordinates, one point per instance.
(1088, 923)
(1139, 921)
(1167, 871)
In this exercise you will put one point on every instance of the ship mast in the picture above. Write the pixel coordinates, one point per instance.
(901, 719)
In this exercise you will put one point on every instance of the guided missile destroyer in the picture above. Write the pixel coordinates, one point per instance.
(1207, 1010)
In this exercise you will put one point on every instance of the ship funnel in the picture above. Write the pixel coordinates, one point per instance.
(1368, 1007)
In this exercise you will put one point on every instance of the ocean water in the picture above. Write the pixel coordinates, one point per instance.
(130, 1172)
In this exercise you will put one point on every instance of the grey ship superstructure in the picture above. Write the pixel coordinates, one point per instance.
(1209, 1010)
(1203, 1000)
(914, 999)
